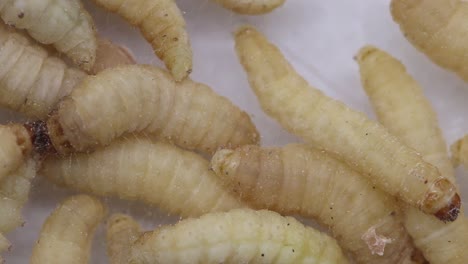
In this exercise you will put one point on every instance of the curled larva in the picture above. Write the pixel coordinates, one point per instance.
(122, 231)
(64, 24)
(139, 98)
(363, 144)
(14, 193)
(163, 26)
(156, 173)
(459, 151)
(251, 7)
(296, 179)
(31, 81)
(401, 106)
(67, 233)
(110, 55)
(237, 236)
(437, 28)
(15, 148)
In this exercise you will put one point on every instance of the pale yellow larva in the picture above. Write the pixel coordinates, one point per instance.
(251, 7)
(363, 144)
(122, 231)
(237, 236)
(64, 24)
(67, 233)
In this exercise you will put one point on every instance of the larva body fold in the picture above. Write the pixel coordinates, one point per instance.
(401, 106)
(156, 173)
(110, 55)
(251, 7)
(296, 179)
(122, 231)
(321, 121)
(14, 193)
(32, 81)
(64, 24)
(163, 26)
(237, 236)
(140, 98)
(67, 233)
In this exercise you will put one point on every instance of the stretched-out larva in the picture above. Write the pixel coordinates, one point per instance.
(237, 236)
(15, 148)
(364, 144)
(296, 179)
(64, 24)
(31, 81)
(163, 26)
(437, 28)
(122, 231)
(156, 173)
(67, 233)
(401, 106)
(14, 193)
(251, 7)
(141, 98)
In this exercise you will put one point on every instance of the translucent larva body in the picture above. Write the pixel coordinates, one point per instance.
(140, 98)
(364, 144)
(156, 173)
(67, 233)
(238, 236)
(437, 28)
(110, 55)
(251, 7)
(15, 148)
(122, 231)
(163, 26)
(459, 151)
(14, 193)
(296, 179)
(401, 106)
(31, 81)
(64, 24)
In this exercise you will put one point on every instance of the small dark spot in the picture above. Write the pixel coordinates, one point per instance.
(293, 250)
(373, 187)
(238, 183)
(288, 224)
(164, 36)
(263, 255)
(331, 208)
(367, 134)
(332, 218)
(21, 15)
(425, 182)
(166, 14)
(450, 241)
(175, 39)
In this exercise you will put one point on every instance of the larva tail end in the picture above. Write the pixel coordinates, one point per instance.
(23, 138)
(442, 200)
(451, 211)
(40, 138)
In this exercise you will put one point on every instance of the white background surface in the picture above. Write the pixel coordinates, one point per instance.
(320, 39)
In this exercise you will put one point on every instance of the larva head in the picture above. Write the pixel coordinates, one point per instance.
(442, 200)
(236, 169)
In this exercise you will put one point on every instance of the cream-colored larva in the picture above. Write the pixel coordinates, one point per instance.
(141, 98)
(110, 55)
(401, 106)
(67, 233)
(14, 193)
(251, 7)
(64, 24)
(438, 29)
(163, 26)
(15, 148)
(122, 231)
(296, 179)
(32, 81)
(329, 124)
(156, 173)
(237, 236)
